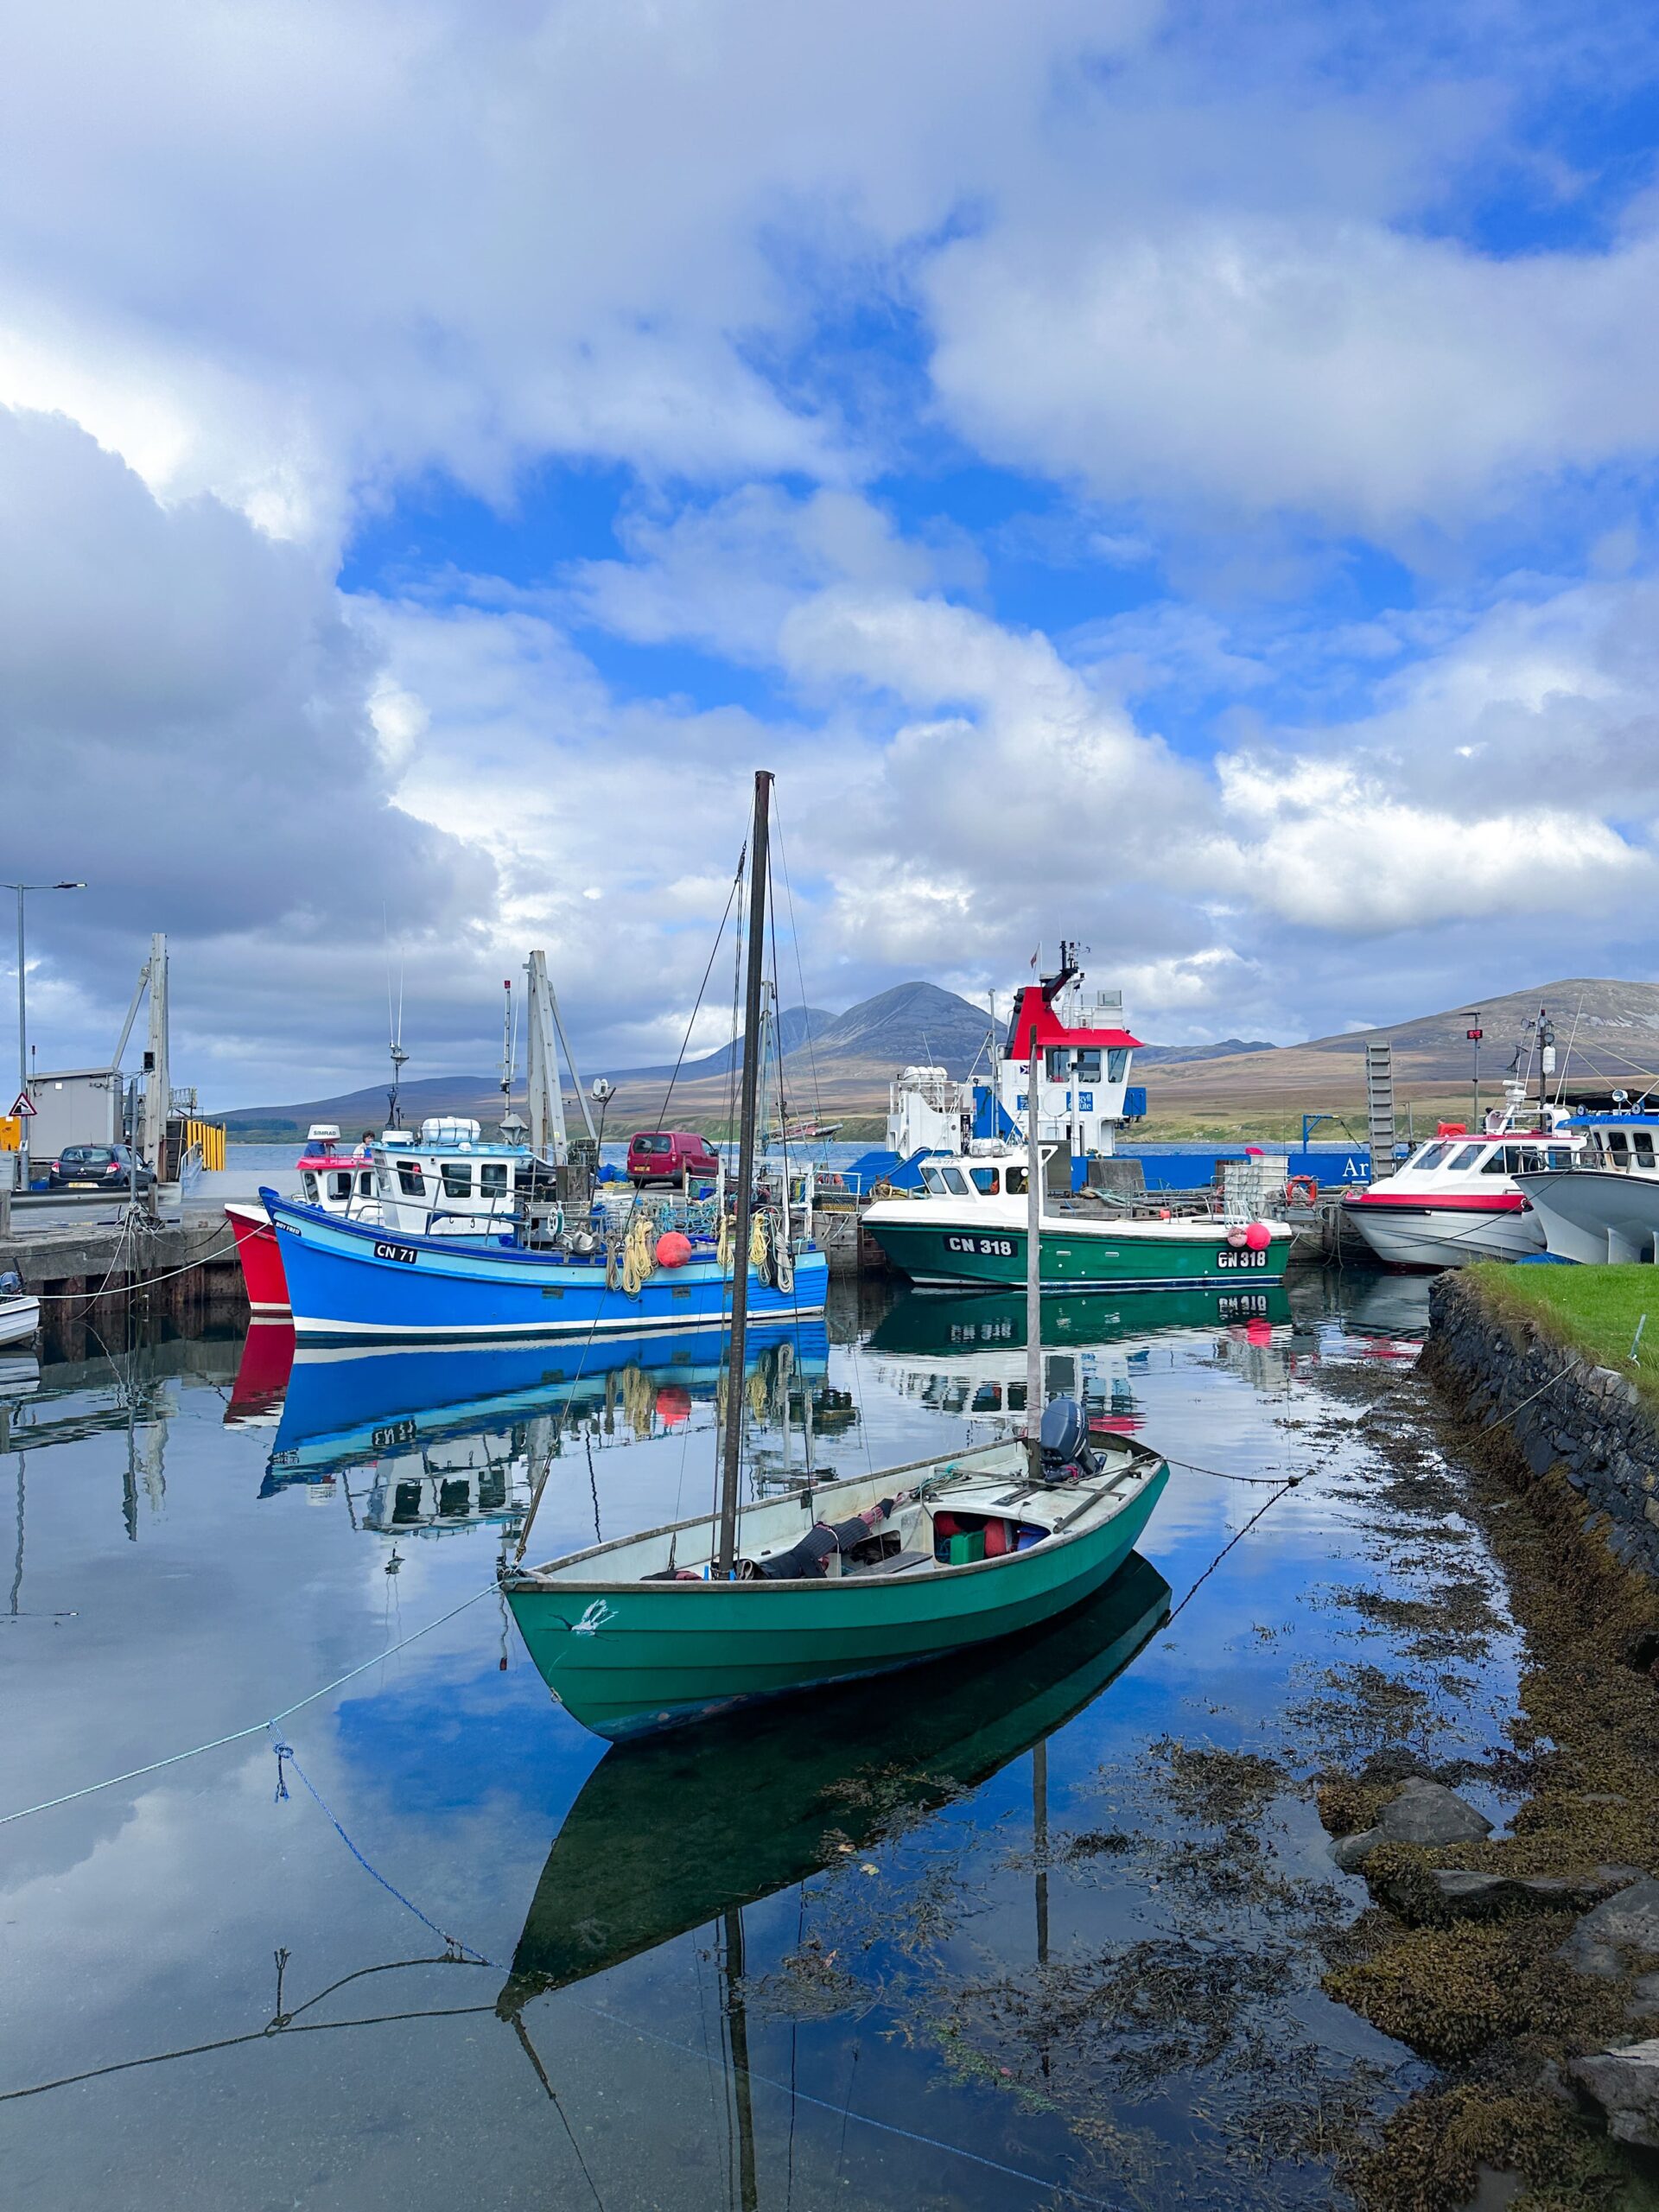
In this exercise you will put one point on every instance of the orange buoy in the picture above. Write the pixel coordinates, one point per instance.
(673, 1248)
(1258, 1236)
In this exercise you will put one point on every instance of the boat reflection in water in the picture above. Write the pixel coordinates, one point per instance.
(449, 1436)
(966, 1356)
(677, 1830)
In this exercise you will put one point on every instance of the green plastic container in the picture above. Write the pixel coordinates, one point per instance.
(963, 1548)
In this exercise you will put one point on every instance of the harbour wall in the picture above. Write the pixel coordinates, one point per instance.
(88, 1275)
(1559, 1410)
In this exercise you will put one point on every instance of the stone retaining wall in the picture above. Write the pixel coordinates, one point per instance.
(1559, 1410)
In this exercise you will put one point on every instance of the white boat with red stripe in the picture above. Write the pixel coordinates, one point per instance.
(1456, 1199)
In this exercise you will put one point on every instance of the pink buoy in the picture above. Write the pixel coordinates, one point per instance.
(1238, 1238)
(1258, 1236)
(673, 1248)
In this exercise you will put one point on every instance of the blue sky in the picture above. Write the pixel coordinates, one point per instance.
(1176, 476)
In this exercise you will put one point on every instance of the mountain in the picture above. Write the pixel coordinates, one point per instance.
(1607, 1034)
(841, 1061)
(1168, 1056)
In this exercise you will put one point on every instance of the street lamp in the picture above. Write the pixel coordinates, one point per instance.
(23, 889)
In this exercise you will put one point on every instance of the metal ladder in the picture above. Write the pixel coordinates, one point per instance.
(1379, 1108)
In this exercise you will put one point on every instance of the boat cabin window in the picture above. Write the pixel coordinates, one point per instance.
(1495, 1164)
(308, 1184)
(985, 1180)
(1430, 1156)
(1561, 1156)
(457, 1178)
(339, 1187)
(1642, 1145)
(932, 1180)
(366, 1185)
(1618, 1147)
(953, 1182)
(1016, 1182)
(1117, 1063)
(1087, 1063)
(410, 1181)
(1057, 1059)
(493, 1177)
(1463, 1159)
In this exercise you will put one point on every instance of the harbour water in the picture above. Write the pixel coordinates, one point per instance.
(1045, 1931)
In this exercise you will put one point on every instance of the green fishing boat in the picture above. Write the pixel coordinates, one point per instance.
(968, 1228)
(833, 1581)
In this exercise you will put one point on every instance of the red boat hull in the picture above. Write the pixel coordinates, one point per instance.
(260, 1254)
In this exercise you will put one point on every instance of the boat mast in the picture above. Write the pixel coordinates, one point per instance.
(1033, 1268)
(733, 1439)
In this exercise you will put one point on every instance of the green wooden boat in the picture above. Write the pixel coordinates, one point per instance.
(627, 1654)
(685, 1620)
(967, 1227)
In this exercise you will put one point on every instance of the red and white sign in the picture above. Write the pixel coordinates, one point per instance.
(22, 1107)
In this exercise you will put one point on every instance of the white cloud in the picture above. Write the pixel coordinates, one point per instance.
(1349, 370)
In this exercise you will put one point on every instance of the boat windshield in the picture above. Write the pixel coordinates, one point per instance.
(1468, 1157)
(1430, 1156)
(932, 1180)
(953, 1182)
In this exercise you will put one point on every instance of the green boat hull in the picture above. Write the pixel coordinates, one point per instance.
(1113, 1258)
(646, 1656)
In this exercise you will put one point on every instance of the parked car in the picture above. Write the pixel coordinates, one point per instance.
(99, 1168)
(664, 1155)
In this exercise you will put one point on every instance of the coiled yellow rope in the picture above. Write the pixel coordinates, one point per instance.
(638, 1255)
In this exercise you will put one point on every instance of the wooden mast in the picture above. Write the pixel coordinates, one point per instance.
(1033, 1266)
(732, 1439)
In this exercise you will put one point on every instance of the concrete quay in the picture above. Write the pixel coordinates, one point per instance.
(82, 1271)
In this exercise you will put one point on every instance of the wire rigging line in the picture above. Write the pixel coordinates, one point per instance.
(254, 1728)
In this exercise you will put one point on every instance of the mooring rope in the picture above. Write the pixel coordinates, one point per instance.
(69, 1297)
(1221, 1474)
(254, 1728)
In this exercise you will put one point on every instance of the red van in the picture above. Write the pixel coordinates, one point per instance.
(664, 1155)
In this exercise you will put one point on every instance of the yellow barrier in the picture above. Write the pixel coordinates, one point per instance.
(11, 1132)
(210, 1135)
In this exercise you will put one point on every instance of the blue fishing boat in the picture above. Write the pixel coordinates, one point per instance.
(349, 1281)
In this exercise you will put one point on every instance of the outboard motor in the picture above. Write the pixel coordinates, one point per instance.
(1065, 1436)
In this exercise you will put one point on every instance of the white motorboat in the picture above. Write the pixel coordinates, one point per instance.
(20, 1314)
(1605, 1207)
(1461, 1197)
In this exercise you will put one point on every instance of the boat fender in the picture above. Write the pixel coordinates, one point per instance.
(673, 1249)
(1258, 1236)
(1302, 1190)
(1237, 1238)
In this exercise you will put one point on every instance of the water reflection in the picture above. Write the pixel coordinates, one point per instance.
(672, 1833)
(965, 1356)
(449, 1437)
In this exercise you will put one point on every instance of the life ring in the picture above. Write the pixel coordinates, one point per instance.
(1302, 1190)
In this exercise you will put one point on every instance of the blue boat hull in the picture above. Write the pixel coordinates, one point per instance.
(349, 1283)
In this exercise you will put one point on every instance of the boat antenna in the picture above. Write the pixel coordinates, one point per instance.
(395, 1025)
(1033, 1268)
(733, 1439)
(508, 1054)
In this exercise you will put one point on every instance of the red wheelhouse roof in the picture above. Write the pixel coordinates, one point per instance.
(1050, 1030)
